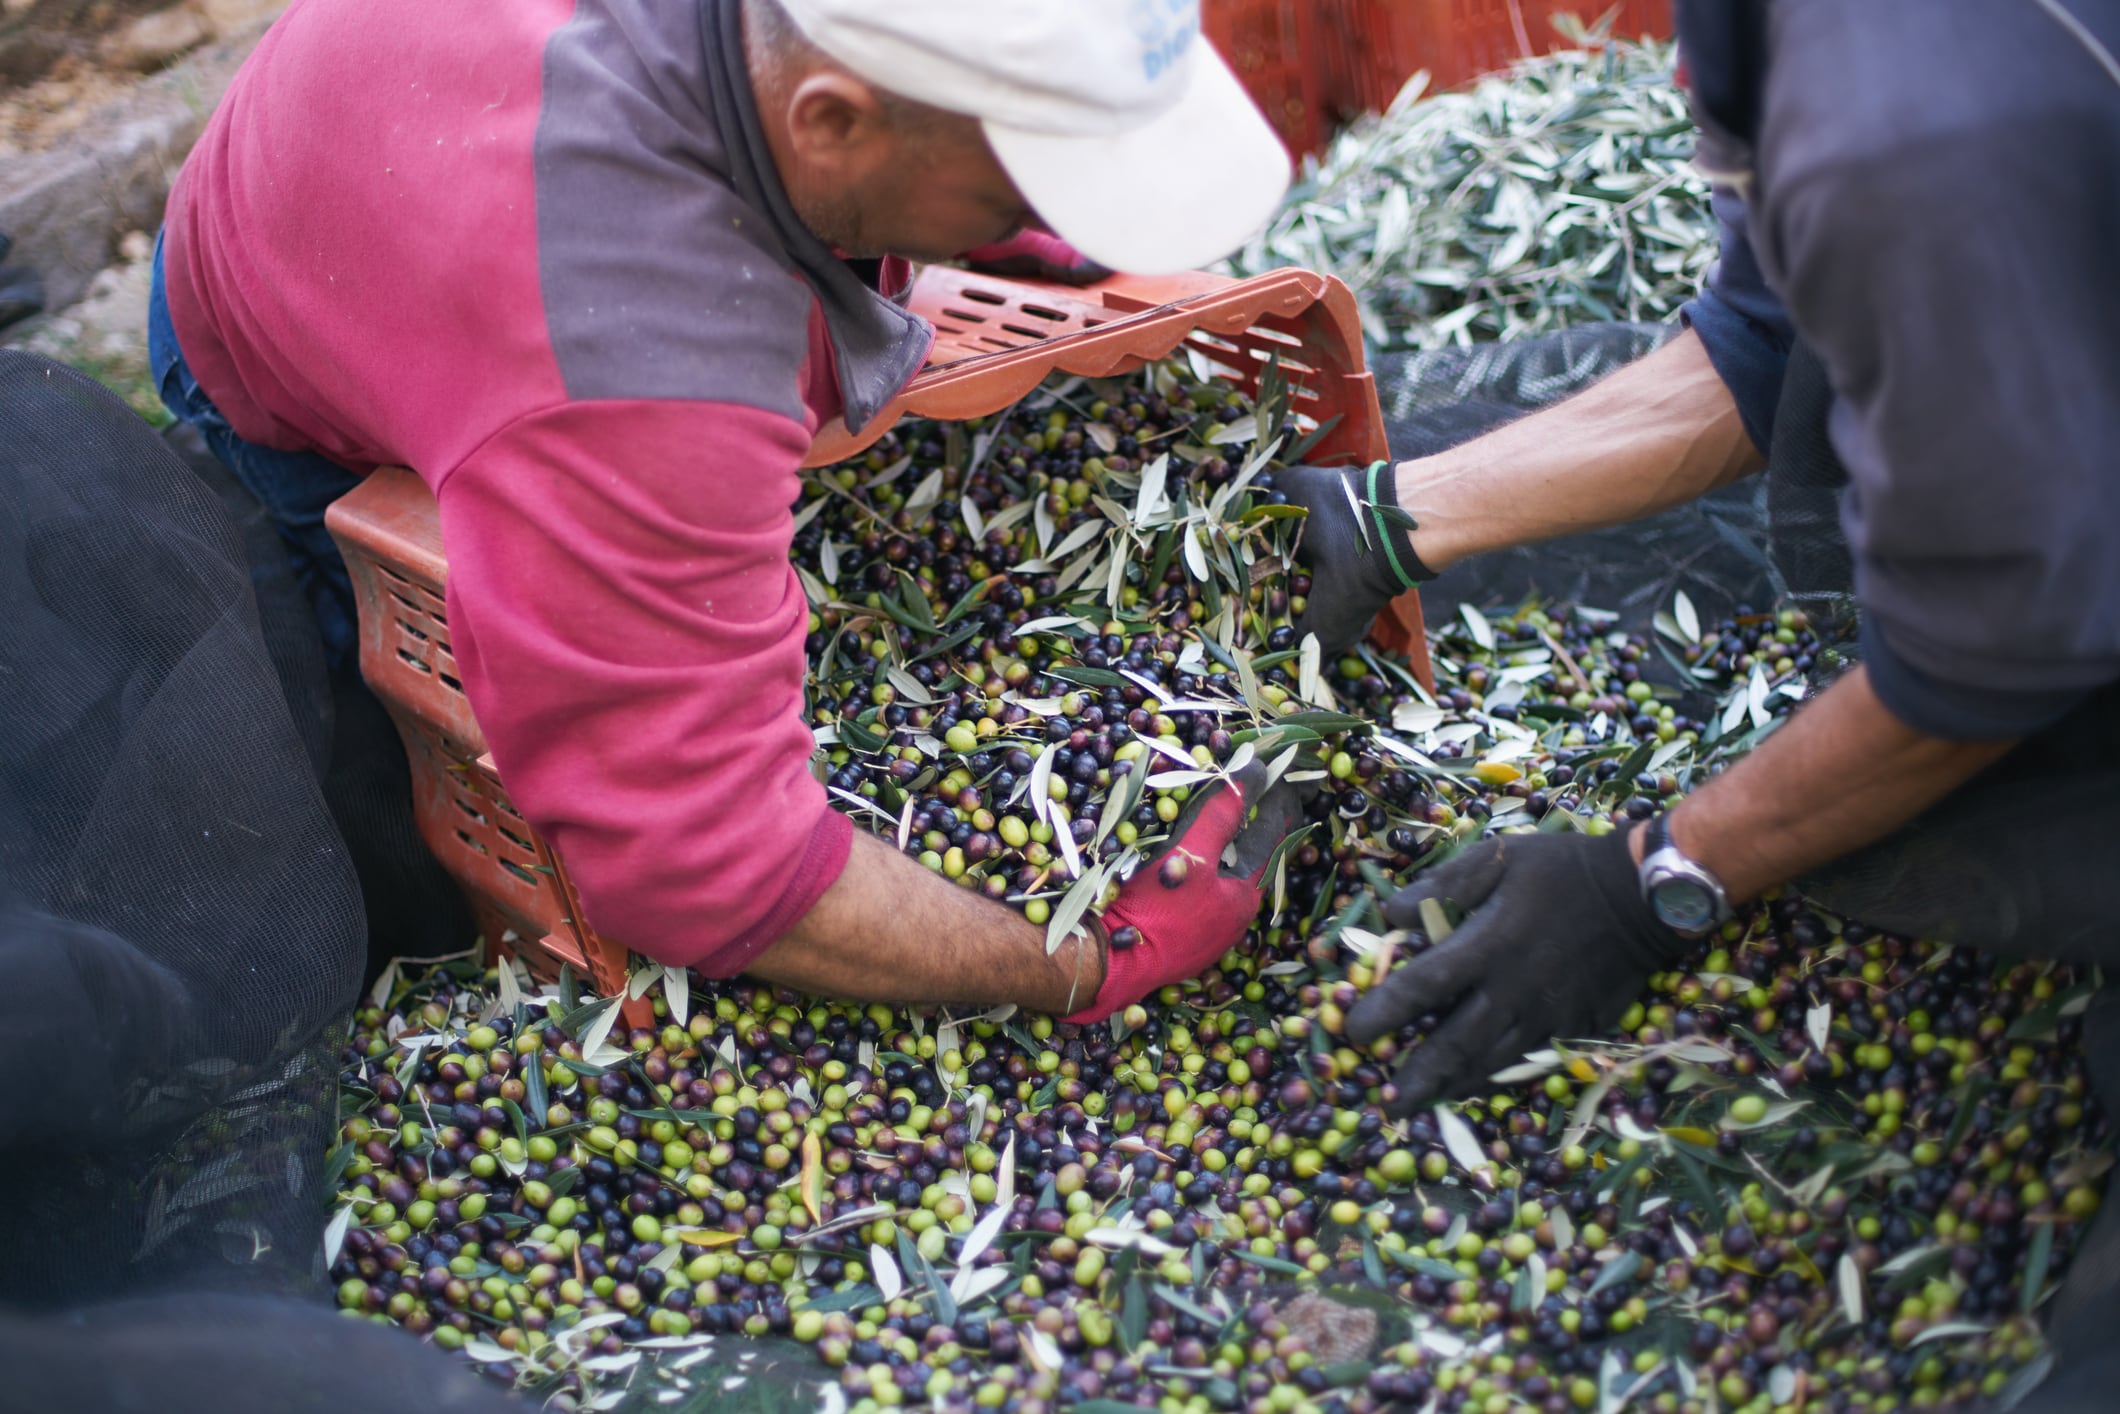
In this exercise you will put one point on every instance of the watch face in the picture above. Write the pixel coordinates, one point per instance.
(1683, 905)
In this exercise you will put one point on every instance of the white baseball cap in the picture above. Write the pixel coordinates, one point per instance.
(1116, 119)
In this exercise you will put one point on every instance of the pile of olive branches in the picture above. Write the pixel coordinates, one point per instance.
(1558, 193)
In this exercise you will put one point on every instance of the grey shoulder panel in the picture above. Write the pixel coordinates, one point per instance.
(658, 280)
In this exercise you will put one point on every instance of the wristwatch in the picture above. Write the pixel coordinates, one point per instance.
(1684, 896)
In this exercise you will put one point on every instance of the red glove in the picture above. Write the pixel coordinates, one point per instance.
(1036, 255)
(1186, 907)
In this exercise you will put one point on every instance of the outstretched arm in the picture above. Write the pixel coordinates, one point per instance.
(1654, 435)
(1843, 773)
(890, 930)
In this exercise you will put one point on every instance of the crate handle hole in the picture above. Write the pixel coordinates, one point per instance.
(411, 630)
(1289, 367)
(472, 842)
(983, 296)
(519, 872)
(1039, 311)
(965, 316)
(408, 658)
(468, 808)
(453, 684)
(1027, 333)
(517, 840)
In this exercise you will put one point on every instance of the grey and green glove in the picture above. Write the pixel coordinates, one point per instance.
(1356, 544)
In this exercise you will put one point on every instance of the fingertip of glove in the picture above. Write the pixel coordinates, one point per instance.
(1416, 1089)
(1367, 1020)
(1403, 909)
(1399, 1103)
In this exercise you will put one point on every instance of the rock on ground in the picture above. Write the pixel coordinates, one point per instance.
(105, 335)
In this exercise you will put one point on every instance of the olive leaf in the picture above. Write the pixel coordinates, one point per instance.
(335, 1234)
(1848, 1276)
(1476, 624)
(1558, 193)
(1685, 618)
(2035, 1265)
(1458, 1139)
(595, 1049)
(884, 1268)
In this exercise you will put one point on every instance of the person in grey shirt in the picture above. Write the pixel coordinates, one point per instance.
(1915, 329)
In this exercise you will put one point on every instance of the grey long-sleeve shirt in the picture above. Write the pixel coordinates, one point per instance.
(1930, 197)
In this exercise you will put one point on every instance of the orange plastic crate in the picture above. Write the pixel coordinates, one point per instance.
(996, 340)
(389, 530)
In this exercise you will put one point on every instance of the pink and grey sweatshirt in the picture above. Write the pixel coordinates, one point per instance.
(537, 252)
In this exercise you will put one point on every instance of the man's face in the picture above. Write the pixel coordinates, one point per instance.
(929, 194)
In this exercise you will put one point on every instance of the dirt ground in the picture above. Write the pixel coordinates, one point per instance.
(60, 60)
(62, 65)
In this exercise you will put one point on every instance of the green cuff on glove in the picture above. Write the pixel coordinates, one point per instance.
(1381, 501)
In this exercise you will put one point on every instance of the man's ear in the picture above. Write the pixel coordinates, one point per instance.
(835, 121)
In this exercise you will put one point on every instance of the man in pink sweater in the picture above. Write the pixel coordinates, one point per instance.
(597, 270)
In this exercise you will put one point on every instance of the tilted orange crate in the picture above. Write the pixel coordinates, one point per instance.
(996, 340)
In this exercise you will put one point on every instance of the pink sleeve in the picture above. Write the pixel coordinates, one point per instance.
(631, 636)
(1041, 247)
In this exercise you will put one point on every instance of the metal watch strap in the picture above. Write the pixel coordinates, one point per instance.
(1658, 841)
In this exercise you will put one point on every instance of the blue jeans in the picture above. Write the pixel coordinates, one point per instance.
(294, 487)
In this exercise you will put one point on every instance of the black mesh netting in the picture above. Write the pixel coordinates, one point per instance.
(182, 927)
(191, 1354)
(414, 908)
(181, 937)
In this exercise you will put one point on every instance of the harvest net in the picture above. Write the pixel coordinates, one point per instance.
(182, 937)
(769, 1200)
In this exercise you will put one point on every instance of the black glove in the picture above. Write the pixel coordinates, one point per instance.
(1354, 544)
(1557, 940)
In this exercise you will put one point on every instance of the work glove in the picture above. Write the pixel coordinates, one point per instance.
(1190, 902)
(1557, 941)
(1355, 544)
(1036, 255)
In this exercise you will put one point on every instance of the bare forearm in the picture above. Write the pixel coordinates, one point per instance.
(1843, 773)
(1654, 435)
(891, 931)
